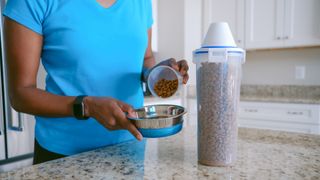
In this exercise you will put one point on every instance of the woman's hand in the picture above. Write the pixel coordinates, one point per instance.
(111, 114)
(180, 66)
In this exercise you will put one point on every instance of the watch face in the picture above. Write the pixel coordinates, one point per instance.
(83, 113)
(78, 108)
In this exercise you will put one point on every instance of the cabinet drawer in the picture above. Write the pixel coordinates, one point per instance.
(276, 112)
(280, 125)
(300, 113)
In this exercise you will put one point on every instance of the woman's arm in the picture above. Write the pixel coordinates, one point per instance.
(149, 60)
(23, 51)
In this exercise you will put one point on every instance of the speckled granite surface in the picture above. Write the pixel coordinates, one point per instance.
(279, 99)
(262, 154)
(272, 93)
(281, 93)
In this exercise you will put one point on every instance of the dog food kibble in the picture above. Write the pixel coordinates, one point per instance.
(166, 88)
(217, 110)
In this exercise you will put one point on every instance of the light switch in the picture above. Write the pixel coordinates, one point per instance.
(300, 72)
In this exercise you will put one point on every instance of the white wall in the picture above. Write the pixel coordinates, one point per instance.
(192, 33)
(278, 67)
(41, 77)
(170, 29)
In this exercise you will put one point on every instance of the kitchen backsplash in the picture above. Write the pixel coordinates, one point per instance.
(281, 91)
(290, 91)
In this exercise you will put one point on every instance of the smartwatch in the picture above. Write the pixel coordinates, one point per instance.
(78, 108)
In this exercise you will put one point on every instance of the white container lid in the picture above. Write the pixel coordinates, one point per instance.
(219, 35)
(218, 46)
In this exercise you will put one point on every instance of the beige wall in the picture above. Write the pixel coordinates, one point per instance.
(278, 67)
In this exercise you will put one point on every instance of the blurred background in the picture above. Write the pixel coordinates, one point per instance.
(281, 37)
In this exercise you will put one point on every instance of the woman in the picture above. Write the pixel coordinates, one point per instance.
(94, 52)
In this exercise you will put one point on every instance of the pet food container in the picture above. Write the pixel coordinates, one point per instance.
(218, 63)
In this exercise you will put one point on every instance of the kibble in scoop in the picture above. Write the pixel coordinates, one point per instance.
(166, 88)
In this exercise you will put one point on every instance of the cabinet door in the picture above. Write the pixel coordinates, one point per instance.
(302, 24)
(264, 21)
(280, 116)
(230, 11)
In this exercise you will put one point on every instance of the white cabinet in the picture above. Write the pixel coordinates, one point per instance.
(302, 25)
(230, 11)
(281, 23)
(264, 24)
(304, 118)
(264, 21)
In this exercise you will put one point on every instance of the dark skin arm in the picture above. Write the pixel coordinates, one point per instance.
(23, 50)
(149, 60)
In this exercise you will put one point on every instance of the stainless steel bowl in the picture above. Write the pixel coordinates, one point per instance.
(158, 120)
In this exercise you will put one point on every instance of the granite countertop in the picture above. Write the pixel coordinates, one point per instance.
(262, 154)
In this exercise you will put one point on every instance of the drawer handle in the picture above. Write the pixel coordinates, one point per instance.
(11, 125)
(251, 110)
(295, 113)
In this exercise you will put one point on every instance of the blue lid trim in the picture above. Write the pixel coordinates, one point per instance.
(201, 52)
(218, 47)
(205, 52)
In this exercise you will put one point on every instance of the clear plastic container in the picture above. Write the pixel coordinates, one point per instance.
(164, 73)
(218, 91)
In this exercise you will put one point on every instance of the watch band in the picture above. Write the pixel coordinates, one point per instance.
(78, 108)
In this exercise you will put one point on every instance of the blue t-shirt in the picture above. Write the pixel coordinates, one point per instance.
(87, 50)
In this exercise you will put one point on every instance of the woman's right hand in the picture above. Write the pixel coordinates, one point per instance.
(111, 114)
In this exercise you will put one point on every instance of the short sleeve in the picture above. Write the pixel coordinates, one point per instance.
(29, 13)
(149, 14)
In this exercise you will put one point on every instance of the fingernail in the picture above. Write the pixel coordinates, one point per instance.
(139, 137)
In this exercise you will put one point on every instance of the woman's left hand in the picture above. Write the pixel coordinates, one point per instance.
(180, 66)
